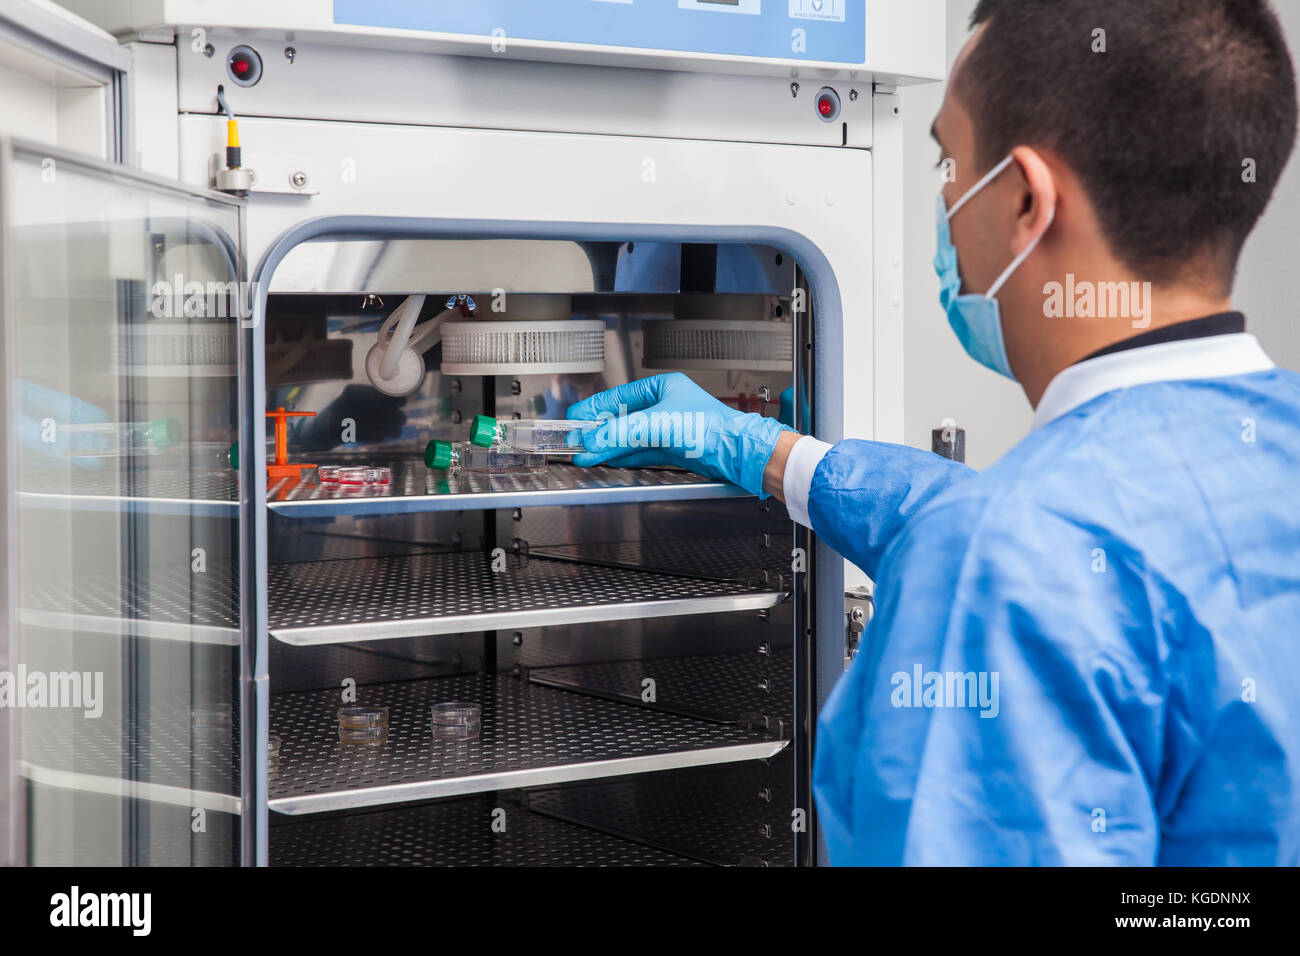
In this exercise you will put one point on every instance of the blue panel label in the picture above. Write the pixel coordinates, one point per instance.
(830, 31)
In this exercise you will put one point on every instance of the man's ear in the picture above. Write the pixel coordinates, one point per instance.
(1037, 197)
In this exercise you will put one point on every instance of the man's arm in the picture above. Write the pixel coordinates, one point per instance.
(856, 495)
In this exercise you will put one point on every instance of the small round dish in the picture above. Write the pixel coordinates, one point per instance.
(363, 725)
(456, 720)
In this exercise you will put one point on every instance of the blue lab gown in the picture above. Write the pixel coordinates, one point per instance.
(1131, 574)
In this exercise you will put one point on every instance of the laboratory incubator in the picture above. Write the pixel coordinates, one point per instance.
(305, 335)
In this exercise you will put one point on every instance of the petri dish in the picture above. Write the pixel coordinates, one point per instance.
(456, 720)
(364, 475)
(363, 725)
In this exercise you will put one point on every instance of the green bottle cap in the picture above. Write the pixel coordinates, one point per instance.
(234, 455)
(437, 454)
(483, 431)
(164, 433)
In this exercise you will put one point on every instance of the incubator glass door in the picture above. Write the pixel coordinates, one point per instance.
(120, 520)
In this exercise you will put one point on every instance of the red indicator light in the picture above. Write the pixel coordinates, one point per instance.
(825, 106)
(244, 65)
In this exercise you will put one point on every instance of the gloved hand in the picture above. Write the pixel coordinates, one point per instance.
(38, 403)
(669, 420)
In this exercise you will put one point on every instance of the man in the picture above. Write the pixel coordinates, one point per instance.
(1090, 652)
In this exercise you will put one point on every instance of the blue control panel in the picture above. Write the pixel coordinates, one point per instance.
(828, 31)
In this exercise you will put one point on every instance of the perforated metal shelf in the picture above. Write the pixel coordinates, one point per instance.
(157, 757)
(415, 487)
(736, 815)
(726, 559)
(734, 688)
(327, 602)
(458, 833)
(170, 602)
(530, 736)
(131, 487)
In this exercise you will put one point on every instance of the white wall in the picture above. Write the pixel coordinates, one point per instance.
(1266, 287)
(941, 381)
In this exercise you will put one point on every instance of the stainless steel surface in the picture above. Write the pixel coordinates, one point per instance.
(747, 558)
(117, 787)
(686, 526)
(643, 544)
(414, 487)
(810, 398)
(417, 658)
(178, 604)
(445, 265)
(162, 753)
(294, 540)
(126, 488)
(520, 266)
(458, 833)
(740, 633)
(128, 627)
(531, 736)
(732, 688)
(254, 679)
(326, 602)
(737, 815)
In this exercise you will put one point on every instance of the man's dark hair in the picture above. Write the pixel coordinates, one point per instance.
(1164, 129)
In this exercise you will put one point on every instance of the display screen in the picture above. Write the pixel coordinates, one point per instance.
(824, 31)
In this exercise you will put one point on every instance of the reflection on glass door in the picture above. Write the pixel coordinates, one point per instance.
(121, 545)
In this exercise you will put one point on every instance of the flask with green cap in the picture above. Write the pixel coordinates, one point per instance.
(547, 436)
(497, 460)
(117, 439)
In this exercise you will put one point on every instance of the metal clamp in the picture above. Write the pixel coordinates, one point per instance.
(858, 608)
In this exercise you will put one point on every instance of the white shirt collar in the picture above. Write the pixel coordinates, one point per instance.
(1215, 356)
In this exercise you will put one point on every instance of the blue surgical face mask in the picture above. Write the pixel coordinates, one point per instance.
(975, 318)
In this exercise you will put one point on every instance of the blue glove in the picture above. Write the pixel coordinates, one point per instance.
(36, 403)
(669, 420)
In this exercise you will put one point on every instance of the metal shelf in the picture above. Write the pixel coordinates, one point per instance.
(733, 688)
(157, 758)
(750, 558)
(459, 833)
(171, 603)
(732, 816)
(135, 488)
(416, 488)
(531, 736)
(329, 602)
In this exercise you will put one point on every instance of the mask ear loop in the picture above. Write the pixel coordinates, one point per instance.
(988, 177)
(1015, 264)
